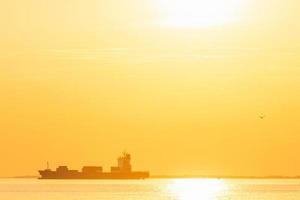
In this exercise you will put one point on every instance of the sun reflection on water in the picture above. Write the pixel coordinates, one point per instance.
(197, 189)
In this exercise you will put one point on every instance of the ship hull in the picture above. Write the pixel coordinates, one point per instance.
(79, 175)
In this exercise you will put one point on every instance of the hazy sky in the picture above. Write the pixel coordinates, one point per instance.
(82, 80)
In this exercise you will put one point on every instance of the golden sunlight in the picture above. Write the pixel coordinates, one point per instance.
(195, 189)
(200, 13)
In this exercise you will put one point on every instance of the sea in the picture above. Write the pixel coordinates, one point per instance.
(150, 189)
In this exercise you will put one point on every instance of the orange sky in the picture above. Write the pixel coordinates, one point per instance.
(80, 81)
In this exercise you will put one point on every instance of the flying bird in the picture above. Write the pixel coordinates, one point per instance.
(262, 116)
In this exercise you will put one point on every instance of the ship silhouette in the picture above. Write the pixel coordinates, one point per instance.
(122, 171)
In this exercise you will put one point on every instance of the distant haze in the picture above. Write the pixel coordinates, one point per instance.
(83, 80)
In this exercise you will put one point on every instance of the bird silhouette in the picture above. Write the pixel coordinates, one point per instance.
(262, 116)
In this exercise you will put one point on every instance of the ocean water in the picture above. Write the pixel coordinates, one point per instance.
(151, 189)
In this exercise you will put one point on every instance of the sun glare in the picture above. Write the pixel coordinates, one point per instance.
(200, 13)
(195, 189)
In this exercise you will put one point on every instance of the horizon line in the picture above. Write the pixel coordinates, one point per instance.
(184, 176)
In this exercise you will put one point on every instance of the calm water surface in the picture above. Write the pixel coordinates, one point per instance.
(152, 189)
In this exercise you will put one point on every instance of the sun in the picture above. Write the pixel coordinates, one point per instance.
(200, 13)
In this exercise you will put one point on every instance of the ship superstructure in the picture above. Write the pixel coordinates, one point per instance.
(122, 171)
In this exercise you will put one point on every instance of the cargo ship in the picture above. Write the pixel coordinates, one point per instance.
(122, 171)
